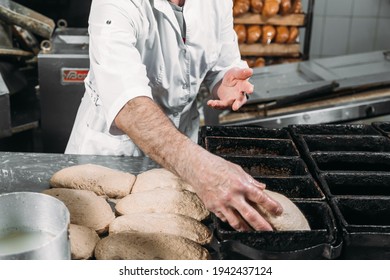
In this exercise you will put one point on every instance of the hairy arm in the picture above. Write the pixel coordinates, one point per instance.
(223, 186)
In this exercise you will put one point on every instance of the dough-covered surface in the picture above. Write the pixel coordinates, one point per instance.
(83, 241)
(149, 246)
(163, 200)
(159, 178)
(85, 208)
(162, 223)
(291, 219)
(99, 179)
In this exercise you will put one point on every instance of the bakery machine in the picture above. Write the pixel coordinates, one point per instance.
(328, 90)
(63, 64)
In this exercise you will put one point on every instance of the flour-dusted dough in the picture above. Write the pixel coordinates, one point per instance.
(163, 200)
(149, 246)
(163, 223)
(291, 219)
(83, 241)
(85, 208)
(159, 178)
(99, 179)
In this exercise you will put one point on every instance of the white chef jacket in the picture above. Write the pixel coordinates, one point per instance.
(136, 49)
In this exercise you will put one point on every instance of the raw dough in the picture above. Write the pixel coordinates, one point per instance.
(83, 241)
(163, 200)
(162, 223)
(159, 178)
(85, 208)
(99, 179)
(149, 246)
(291, 219)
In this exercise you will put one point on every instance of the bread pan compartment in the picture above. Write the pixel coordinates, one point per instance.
(250, 146)
(352, 143)
(316, 243)
(383, 127)
(356, 184)
(365, 223)
(333, 129)
(271, 166)
(372, 162)
(242, 132)
(301, 188)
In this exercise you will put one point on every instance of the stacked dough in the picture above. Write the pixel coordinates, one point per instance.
(156, 214)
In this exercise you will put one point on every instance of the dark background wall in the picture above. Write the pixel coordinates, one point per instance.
(75, 12)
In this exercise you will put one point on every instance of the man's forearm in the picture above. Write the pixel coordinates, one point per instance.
(152, 131)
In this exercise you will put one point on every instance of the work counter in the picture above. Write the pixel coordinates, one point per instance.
(32, 171)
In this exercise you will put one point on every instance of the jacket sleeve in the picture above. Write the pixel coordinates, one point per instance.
(229, 54)
(117, 72)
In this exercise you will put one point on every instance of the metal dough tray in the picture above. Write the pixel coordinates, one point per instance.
(300, 188)
(271, 166)
(352, 162)
(348, 143)
(383, 127)
(332, 129)
(355, 184)
(240, 146)
(365, 223)
(241, 132)
(321, 242)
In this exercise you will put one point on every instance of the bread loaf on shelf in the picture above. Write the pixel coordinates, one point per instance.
(294, 33)
(296, 7)
(240, 7)
(268, 34)
(282, 34)
(253, 33)
(241, 33)
(257, 6)
(271, 8)
(285, 7)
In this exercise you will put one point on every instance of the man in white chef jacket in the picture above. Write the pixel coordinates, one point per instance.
(147, 61)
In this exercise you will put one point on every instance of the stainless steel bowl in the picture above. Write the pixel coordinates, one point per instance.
(33, 226)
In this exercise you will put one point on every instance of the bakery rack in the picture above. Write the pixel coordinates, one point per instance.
(293, 52)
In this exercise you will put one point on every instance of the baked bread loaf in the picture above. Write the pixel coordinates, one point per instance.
(270, 8)
(83, 241)
(291, 219)
(293, 35)
(163, 200)
(296, 7)
(253, 33)
(240, 7)
(241, 33)
(99, 179)
(85, 208)
(159, 178)
(285, 7)
(149, 246)
(268, 34)
(257, 6)
(282, 34)
(260, 62)
(162, 223)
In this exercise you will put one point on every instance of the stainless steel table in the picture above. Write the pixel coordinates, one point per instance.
(32, 171)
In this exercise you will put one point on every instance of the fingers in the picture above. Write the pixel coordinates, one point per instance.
(258, 196)
(242, 73)
(219, 104)
(253, 217)
(239, 102)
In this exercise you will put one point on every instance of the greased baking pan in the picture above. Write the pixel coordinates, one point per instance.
(321, 242)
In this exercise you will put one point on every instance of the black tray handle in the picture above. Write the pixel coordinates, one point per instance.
(326, 251)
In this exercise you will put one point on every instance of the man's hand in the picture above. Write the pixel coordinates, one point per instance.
(230, 193)
(232, 90)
